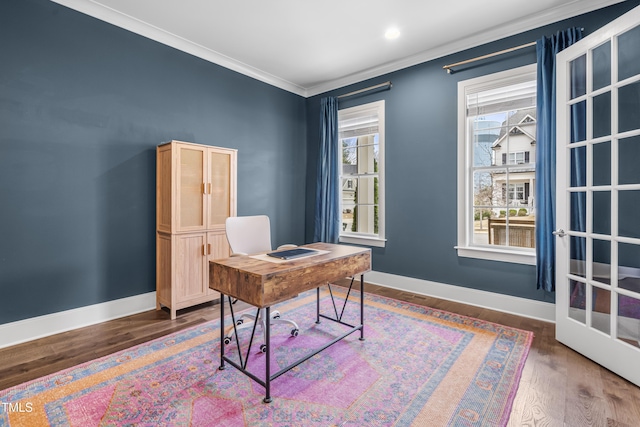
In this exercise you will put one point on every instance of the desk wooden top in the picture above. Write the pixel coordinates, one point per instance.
(264, 283)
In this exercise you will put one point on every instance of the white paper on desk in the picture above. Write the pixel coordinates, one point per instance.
(265, 257)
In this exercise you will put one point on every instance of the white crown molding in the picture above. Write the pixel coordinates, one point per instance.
(91, 8)
(504, 303)
(42, 326)
(577, 7)
(111, 16)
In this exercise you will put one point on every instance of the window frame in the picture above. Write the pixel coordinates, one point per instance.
(366, 239)
(465, 247)
(514, 189)
(515, 161)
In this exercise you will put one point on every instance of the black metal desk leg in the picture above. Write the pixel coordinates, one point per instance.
(362, 307)
(221, 367)
(267, 371)
(318, 304)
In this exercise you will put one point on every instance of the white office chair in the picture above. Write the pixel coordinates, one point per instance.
(249, 235)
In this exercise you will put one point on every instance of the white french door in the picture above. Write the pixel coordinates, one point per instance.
(598, 197)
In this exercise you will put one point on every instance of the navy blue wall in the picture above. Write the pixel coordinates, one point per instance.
(421, 164)
(83, 105)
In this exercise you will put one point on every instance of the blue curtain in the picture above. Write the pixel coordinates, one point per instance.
(546, 50)
(327, 219)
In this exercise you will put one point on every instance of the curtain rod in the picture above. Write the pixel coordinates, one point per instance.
(449, 70)
(367, 89)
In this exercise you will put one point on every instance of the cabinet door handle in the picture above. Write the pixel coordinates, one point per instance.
(209, 185)
(209, 248)
(204, 250)
(204, 191)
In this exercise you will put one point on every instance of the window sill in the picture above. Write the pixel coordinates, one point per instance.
(363, 240)
(503, 255)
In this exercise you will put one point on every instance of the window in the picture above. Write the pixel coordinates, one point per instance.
(361, 134)
(496, 166)
(518, 158)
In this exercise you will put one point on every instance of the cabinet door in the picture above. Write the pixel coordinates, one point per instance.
(218, 247)
(190, 200)
(164, 203)
(191, 267)
(221, 201)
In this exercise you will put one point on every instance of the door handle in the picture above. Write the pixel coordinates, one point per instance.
(559, 232)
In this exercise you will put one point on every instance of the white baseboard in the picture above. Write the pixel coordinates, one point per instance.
(51, 324)
(505, 303)
(38, 327)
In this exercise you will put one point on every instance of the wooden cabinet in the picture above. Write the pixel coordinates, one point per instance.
(195, 193)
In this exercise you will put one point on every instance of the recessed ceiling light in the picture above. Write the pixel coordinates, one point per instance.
(392, 33)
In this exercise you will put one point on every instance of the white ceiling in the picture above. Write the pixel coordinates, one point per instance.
(311, 46)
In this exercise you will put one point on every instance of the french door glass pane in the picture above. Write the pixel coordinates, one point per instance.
(629, 107)
(628, 218)
(601, 261)
(579, 122)
(601, 316)
(579, 167)
(578, 76)
(628, 155)
(629, 267)
(578, 255)
(602, 115)
(628, 64)
(578, 211)
(577, 300)
(602, 163)
(602, 212)
(628, 320)
(602, 66)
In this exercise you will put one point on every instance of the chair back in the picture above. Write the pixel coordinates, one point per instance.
(249, 234)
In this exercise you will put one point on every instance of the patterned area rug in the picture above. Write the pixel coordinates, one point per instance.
(416, 367)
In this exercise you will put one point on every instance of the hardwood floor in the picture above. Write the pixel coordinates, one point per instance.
(559, 387)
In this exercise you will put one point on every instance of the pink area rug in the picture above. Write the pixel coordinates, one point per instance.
(416, 367)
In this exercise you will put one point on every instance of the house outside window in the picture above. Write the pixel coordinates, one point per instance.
(496, 166)
(361, 135)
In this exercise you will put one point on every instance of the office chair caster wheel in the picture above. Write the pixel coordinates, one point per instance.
(275, 314)
(294, 332)
(263, 348)
(227, 340)
(239, 322)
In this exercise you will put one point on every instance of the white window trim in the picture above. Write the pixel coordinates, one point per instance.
(378, 240)
(465, 248)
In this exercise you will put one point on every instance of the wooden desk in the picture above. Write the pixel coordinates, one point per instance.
(263, 283)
